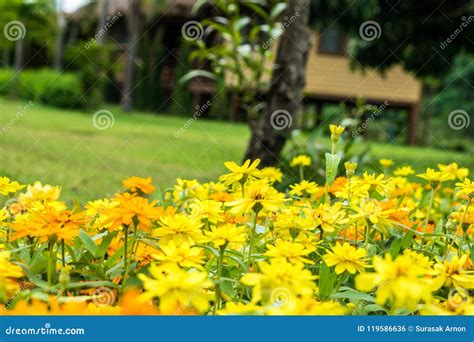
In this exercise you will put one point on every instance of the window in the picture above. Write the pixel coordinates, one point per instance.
(332, 42)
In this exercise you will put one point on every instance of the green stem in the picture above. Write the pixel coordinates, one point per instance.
(252, 234)
(301, 174)
(457, 230)
(427, 220)
(51, 267)
(63, 253)
(367, 232)
(220, 262)
(125, 255)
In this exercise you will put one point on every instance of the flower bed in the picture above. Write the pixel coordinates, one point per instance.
(392, 243)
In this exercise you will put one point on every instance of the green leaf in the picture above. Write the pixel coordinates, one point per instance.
(195, 73)
(33, 277)
(100, 252)
(88, 243)
(332, 163)
(327, 280)
(395, 247)
(90, 284)
(353, 295)
(277, 10)
(374, 308)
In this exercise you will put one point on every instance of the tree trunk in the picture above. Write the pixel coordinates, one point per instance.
(59, 46)
(18, 66)
(100, 31)
(131, 54)
(427, 93)
(288, 79)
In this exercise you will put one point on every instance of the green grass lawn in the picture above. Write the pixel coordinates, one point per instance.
(63, 147)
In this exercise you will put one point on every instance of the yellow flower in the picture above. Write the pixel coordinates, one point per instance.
(39, 192)
(400, 282)
(336, 132)
(3, 214)
(452, 273)
(386, 162)
(329, 216)
(465, 188)
(226, 234)
(306, 306)
(435, 176)
(208, 210)
(454, 170)
(258, 195)
(279, 276)
(177, 290)
(346, 258)
(182, 255)
(248, 171)
(239, 308)
(293, 252)
(375, 183)
(272, 174)
(304, 189)
(9, 272)
(8, 187)
(136, 184)
(350, 168)
(179, 228)
(301, 160)
(404, 171)
(373, 212)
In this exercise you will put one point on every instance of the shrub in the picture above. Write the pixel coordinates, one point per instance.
(50, 87)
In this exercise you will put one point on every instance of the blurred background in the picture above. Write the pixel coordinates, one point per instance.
(92, 92)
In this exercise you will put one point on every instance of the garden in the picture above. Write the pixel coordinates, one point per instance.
(142, 177)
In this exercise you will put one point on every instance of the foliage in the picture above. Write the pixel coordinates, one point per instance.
(359, 243)
(438, 36)
(238, 47)
(91, 62)
(59, 89)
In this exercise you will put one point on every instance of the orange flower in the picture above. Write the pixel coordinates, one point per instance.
(137, 184)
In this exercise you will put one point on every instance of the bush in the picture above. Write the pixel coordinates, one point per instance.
(50, 87)
(6, 76)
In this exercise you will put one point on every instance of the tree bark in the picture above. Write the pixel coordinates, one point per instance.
(103, 12)
(133, 29)
(288, 79)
